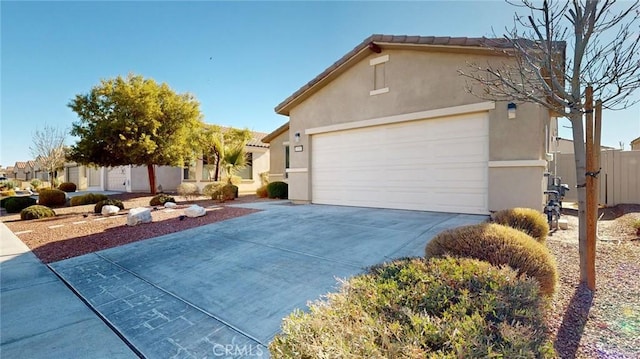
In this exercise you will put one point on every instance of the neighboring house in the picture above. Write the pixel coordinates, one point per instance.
(566, 146)
(9, 172)
(202, 173)
(635, 144)
(120, 178)
(390, 125)
(136, 179)
(20, 171)
(279, 147)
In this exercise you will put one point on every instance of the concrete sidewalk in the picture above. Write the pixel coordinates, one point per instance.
(40, 317)
(222, 290)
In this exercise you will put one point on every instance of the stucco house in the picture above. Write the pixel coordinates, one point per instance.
(390, 125)
(21, 171)
(635, 144)
(132, 178)
(258, 160)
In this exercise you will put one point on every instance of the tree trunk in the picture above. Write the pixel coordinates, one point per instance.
(152, 178)
(581, 169)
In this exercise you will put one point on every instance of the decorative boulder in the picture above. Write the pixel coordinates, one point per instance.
(110, 210)
(138, 215)
(170, 205)
(195, 211)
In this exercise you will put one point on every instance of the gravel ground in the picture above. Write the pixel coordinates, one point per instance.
(77, 230)
(605, 324)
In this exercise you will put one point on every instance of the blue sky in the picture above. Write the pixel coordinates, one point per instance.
(240, 59)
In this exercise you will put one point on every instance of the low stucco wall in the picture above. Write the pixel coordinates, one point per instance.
(512, 187)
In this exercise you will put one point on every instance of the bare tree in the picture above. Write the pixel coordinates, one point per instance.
(559, 49)
(48, 148)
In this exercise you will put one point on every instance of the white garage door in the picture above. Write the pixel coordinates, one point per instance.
(433, 165)
(117, 179)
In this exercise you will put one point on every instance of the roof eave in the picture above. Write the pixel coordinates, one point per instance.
(277, 132)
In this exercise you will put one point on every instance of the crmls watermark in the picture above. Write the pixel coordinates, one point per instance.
(226, 350)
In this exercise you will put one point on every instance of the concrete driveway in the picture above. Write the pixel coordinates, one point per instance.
(222, 290)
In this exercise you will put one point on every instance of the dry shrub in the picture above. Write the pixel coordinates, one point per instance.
(52, 198)
(498, 245)
(36, 212)
(413, 308)
(528, 220)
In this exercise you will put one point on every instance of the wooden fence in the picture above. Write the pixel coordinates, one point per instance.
(619, 176)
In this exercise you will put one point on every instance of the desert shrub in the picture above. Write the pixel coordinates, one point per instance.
(17, 204)
(414, 308)
(67, 187)
(498, 245)
(52, 198)
(35, 183)
(528, 220)
(188, 190)
(105, 202)
(229, 192)
(9, 184)
(262, 192)
(8, 193)
(278, 189)
(213, 190)
(161, 199)
(89, 198)
(36, 211)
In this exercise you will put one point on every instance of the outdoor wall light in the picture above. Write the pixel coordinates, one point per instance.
(511, 110)
(296, 137)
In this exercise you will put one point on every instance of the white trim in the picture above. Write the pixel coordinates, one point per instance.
(518, 163)
(413, 116)
(296, 170)
(285, 143)
(379, 60)
(378, 91)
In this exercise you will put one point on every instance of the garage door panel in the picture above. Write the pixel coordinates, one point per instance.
(436, 164)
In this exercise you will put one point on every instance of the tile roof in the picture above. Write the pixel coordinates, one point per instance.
(256, 137)
(376, 41)
(20, 165)
(31, 163)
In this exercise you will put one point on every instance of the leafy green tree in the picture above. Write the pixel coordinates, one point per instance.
(134, 121)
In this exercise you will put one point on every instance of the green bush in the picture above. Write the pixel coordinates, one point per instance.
(52, 198)
(161, 199)
(17, 204)
(36, 211)
(89, 198)
(262, 192)
(188, 190)
(35, 183)
(530, 221)
(9, 184)
(67, 187)
(498, 245)
(278, 190)
(413, 308)
(109, 202)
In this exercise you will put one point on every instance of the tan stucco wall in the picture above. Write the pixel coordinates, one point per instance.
(516, 187)
(417, 81)
(277, 154)
(167, 176)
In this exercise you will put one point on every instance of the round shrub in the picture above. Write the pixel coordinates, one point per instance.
(213, 190)
(89, 198)
(67, 187)
(528, 220)
(161, 199)
(262, 192)
(278, 189)
(229, 192)
(498, 245)
(36, 212)
(188, 190)
(413, 308)
(17, 204)
(52, 198)
(109, 202)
